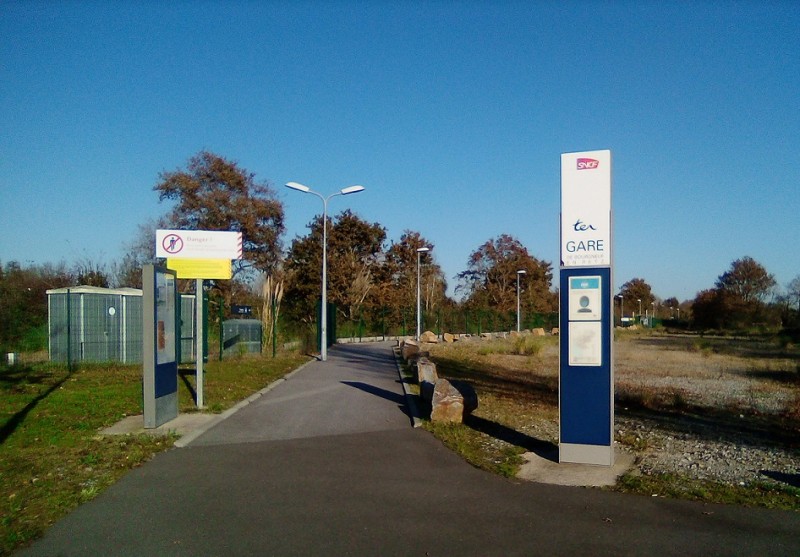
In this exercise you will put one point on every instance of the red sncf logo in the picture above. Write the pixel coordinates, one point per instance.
(588, 164)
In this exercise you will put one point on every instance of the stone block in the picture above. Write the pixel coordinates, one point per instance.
(452, 401)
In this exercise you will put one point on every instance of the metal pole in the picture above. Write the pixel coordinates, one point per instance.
(324, 308)
(200, 348)
(418, 308)
(518, 302)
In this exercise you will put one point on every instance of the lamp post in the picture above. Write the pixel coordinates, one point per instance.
(621, 310)
(640, 309)
(520, 272)
(324, 308)
(420, 251)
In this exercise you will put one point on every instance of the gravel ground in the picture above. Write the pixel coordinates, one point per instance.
(729, 461)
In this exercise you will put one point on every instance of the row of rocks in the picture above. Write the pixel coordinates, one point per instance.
(451, 401)
(432, 338)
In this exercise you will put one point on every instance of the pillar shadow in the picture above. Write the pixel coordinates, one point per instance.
(544, 449)
(184, 374)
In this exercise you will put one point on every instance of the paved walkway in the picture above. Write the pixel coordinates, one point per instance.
(326, 463)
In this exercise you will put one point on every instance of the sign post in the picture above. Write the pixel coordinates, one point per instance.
(586, 370)
(199, 255)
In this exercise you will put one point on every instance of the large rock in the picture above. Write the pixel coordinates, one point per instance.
(428, 336)
(539, 332)
(426, 378)
(554, 332)
(449, 337)
(452, 401)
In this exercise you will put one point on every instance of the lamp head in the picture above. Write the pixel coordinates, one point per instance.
(351, 189)
(298, 187)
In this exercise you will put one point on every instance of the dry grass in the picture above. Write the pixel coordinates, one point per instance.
(740, 391)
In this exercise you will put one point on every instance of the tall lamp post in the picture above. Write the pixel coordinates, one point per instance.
(640, 309)
(420, 251)
(520, 272)
(324, 308)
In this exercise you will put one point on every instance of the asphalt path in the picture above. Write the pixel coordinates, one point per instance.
(327, 463)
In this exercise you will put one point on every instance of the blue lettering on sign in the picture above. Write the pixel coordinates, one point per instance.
(585, 245)
(580, 227)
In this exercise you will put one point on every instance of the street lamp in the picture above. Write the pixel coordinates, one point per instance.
(324, 308)
(621, 310)
(640, 309)
(420, 251)
(520, 272)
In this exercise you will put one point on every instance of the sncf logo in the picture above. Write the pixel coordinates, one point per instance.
(588, 164)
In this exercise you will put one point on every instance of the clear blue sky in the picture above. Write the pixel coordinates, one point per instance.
(453, 115)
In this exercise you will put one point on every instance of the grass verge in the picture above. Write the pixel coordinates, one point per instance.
(52, 458)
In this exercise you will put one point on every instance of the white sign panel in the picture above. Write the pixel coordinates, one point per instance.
(586, 209)
(198, 244)
(585, 343)
(584, 299)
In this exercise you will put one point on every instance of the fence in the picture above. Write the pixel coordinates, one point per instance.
(385, 323)
(90, 324)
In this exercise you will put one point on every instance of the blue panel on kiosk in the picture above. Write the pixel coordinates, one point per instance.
(585, 390)
(166, 380)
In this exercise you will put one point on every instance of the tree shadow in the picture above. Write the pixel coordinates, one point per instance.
(16, 420)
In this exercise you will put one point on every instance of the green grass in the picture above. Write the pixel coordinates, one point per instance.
(479, 449)
(762, 494)
(52, 457)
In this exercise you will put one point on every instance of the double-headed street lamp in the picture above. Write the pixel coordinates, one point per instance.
(324, 308)
(420, 251)
(520, 272)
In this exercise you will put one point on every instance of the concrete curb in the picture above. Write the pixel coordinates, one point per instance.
(189, 437)
(416, 421)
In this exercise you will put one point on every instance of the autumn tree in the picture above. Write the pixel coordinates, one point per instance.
(355, 248)
(491, 277)
(747, 281)
(396, 284)
(738, 299)
(637, 295)
(213, 193)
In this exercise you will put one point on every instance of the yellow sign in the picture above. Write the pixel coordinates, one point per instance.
(201, 268)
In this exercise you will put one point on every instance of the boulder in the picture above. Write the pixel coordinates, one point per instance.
(428, 336)
(449, 337)
(452, 401)
(538, 332)
(409, 348)
(554, 332)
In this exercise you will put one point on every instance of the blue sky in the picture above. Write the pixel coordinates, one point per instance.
(453, 116)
